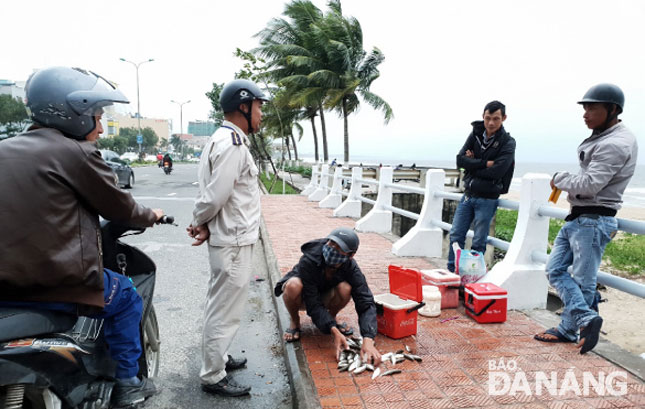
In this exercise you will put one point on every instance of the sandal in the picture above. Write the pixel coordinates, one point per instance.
(345, 329)
(590, 335)
(295, 334)
(555, 333)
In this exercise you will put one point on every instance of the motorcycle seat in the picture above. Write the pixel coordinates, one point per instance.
(17, 323)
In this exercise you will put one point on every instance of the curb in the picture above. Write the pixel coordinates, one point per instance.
(605, 349)
(303, 389)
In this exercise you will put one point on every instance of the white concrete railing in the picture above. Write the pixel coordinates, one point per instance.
(521, 272)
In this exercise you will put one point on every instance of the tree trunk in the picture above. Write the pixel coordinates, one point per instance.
(324, 133)
(286, 140)
(313, 128)
(266, 155)
(345, 132)
(295, 147)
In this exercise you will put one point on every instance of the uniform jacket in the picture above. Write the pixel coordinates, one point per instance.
(53, 190)
(479, 180)
(310, 269)
(229, 195)
(607, 163)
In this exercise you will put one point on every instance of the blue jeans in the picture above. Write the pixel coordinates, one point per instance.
(580, 243)
(470, 209)
(121, 314)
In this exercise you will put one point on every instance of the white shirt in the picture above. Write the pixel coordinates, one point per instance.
(229, 195)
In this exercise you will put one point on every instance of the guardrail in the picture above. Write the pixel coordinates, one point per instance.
(521, 271)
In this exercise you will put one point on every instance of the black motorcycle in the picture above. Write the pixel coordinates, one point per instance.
(53, 360)
(167, 168)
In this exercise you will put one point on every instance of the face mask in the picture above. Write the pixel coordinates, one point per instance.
(332, 256)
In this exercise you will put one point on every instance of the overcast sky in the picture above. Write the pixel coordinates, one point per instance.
(444, 60)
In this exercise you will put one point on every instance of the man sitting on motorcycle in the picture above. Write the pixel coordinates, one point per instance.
(167, 159)
(55, 186)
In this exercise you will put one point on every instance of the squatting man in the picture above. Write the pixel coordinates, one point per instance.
(323, 282)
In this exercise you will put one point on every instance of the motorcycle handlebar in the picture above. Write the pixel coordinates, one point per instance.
(166, 220)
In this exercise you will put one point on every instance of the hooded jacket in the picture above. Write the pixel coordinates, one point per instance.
(607, 164)
(53, 190)
(311, 270)
(479, 180)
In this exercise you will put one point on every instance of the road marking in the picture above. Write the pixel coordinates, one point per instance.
(174, 199)
(172, 194)
(195, 183)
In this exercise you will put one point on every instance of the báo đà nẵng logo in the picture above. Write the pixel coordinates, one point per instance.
(507, 378)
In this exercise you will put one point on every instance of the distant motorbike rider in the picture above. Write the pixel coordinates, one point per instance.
(50, 249)
(167, 160)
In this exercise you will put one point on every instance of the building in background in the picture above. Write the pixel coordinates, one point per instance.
(112, 122)
(14, 88)
(201, 128)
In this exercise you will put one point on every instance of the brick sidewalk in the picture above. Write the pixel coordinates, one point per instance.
(456, 353)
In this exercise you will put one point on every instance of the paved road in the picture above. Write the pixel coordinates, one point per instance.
(179, 302)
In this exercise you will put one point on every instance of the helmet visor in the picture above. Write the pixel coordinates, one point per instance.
(91, 101)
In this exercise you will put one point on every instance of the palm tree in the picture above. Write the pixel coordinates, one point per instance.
(352, 69)
(293, 55)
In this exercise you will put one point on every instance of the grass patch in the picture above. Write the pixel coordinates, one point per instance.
(625, 254)
(506, 220)
(277, 187)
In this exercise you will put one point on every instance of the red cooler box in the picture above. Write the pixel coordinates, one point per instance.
(485, 302)
(448, 284)
(396, 311)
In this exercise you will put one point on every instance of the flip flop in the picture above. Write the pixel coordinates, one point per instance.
(295, 334)
(590, 334)
(555, 333)
(345, 329)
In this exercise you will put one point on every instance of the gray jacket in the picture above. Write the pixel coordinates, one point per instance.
(607, 163)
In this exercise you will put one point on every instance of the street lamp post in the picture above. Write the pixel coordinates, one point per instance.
(136, 66)
(181, 122)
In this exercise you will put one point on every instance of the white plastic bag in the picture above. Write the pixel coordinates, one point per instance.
(469, 264)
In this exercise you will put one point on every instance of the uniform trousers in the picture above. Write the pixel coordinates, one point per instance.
(225, 301)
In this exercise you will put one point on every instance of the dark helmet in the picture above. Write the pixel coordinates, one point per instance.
(346, 239)
(238, 92)
(67, 99)
(607, 93)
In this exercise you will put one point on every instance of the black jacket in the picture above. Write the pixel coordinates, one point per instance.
(310, 269)
(479, 180)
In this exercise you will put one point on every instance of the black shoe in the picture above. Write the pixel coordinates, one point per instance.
(226, 387)
(126, 396)
(233, 364)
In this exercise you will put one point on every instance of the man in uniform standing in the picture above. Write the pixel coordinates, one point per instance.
(607, 161)
(227, 214)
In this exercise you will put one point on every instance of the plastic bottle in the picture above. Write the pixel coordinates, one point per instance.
(432, 298)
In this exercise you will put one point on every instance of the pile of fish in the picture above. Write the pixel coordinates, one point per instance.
(351, 360)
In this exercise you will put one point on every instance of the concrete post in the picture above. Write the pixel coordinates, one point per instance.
(321, 190)
(518, 273)
(379, 220)
(313, 183)
(334, 198)
(351, 207)
(424, 239)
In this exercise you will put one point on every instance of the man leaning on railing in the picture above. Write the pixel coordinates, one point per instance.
(607, 161)
(488, 157)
